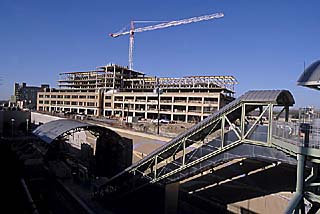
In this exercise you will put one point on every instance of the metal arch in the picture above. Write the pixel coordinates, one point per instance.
(48, 132)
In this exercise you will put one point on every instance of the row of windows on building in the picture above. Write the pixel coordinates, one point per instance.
(68, 96)
(164, 99)
(48, 102)
(164, 108)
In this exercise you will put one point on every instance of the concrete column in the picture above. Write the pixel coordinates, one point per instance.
(145, 107)
(171, 198)
(187, 109)
(172, 104)
(134, 106)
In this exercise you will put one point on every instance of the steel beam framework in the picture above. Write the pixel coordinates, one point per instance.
(157, 164)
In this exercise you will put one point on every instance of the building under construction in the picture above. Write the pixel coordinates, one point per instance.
(114, 90)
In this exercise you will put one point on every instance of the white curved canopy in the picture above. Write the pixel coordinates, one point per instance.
(48, 132)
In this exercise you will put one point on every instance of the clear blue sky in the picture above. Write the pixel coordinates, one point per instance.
(262, 43)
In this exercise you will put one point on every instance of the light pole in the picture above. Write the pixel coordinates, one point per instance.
(12, 123)
(158, 91)
(128, 110)
(27, 120)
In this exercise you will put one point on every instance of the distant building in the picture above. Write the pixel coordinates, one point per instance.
(4, 102)
(114, 90)
(26, 96)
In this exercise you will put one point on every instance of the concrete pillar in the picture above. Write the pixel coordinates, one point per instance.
(172, 104)
(171, 198)
(146, 110)
(187, 109)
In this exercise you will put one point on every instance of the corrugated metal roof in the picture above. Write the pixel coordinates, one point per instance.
(48, 132)
(278, 97)
(311, 76)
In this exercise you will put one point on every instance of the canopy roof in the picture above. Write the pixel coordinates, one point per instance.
(311, 76)
(48, 132)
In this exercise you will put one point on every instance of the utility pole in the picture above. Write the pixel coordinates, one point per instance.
(158, 91)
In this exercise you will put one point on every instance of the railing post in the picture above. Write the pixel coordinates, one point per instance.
(269, 139)
(223, 122)
(184, 153)
(242, 122)
(155, 167)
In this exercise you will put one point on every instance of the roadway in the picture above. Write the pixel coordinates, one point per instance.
(143, 143)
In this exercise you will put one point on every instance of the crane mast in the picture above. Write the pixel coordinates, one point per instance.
(131, 44)
(133, 30)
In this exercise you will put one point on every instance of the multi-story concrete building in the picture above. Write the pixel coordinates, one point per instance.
(26, 96)
(113, 90)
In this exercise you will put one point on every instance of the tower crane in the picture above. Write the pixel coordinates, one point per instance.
(133, 30)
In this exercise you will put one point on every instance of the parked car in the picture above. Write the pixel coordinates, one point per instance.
(163, 121)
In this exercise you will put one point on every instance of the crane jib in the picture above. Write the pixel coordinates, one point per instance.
(160, 26)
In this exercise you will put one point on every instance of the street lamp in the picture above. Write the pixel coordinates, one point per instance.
(27, 120)
(159, 91)
(12, 123)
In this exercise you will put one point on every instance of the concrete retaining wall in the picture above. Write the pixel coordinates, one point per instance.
(38, 118)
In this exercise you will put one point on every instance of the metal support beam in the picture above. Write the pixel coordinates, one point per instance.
(184, 153)
(297, 202)
(199, 160)
(255, 123)
(242, 120)
(155, 167)
(232, 126)
(269, 139)
(286, 113)
(278, 115)
(223, 121)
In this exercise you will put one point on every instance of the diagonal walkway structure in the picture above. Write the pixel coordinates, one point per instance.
(237, 153)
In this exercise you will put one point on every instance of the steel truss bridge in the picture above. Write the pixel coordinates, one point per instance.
(240, 152)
